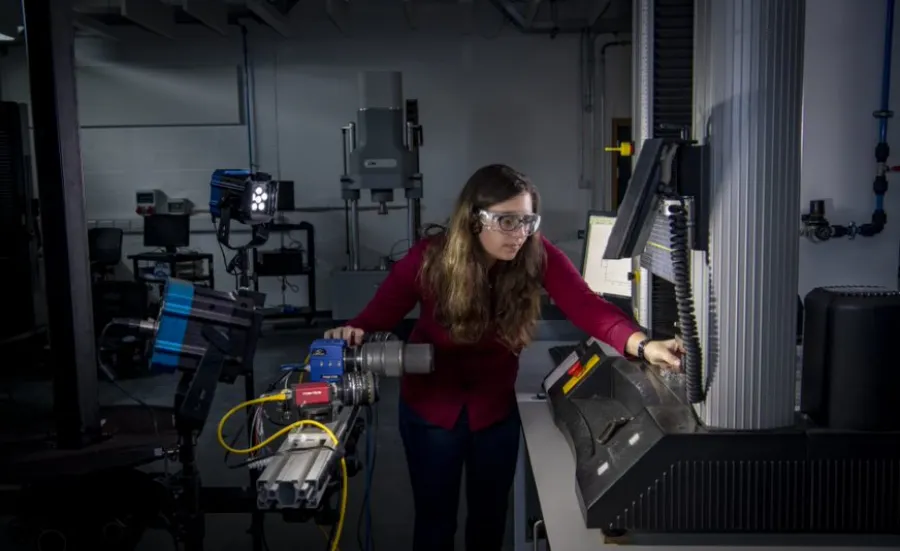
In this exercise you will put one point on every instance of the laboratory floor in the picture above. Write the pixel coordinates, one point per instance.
(392, 498)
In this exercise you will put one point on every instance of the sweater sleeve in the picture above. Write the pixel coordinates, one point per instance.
(584, 308)
(396, 296)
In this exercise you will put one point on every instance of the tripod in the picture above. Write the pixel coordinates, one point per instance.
(193, 400)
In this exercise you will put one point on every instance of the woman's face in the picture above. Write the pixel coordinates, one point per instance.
(506, 226)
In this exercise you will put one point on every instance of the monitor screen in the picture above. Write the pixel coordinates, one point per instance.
(606, 277)
(286, 196)
(636, 215)
(167, 230)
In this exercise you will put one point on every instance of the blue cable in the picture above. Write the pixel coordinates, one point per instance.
(886, 69)
(292, 367)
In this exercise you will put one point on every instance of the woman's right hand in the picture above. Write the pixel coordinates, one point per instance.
(352, 335)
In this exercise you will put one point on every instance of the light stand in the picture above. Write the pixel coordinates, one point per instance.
(240, 263)
(193, 399)
(250, 199)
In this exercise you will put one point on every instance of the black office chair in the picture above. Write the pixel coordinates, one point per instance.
(104, 251)
(115, 299)
(121, 299)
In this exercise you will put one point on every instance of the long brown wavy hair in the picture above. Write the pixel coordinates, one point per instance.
(472, 297)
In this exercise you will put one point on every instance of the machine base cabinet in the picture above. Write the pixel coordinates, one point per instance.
(645, 463)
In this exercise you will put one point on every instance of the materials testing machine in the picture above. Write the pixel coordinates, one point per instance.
(381, 154)
(652, 458)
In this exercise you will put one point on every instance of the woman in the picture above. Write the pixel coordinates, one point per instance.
(479, 287)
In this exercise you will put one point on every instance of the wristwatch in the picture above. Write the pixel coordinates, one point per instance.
(640, 349)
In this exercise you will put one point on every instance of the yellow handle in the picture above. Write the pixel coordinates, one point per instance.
(625, 149)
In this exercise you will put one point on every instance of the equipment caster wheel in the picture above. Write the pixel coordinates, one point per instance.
(615, 535)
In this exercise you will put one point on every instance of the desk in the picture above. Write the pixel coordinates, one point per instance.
(307, 268)
(146, 274)
(546, 460)
(548, 466)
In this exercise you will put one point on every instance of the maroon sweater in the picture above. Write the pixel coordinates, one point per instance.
(479, 377)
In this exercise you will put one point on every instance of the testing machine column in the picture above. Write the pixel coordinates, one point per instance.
(748, 93)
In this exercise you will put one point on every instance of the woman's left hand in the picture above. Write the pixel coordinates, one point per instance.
(664, 354)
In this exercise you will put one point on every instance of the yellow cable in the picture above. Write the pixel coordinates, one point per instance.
(281, 397)
(324, 533)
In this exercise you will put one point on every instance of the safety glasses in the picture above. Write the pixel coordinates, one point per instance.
(510, 223)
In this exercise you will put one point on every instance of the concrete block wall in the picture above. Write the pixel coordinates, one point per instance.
(489, 96)
(841, 90)
(160, 113)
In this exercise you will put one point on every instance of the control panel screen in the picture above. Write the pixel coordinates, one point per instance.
(606, 277)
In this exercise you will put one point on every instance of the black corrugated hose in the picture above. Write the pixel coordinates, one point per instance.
(687, 322)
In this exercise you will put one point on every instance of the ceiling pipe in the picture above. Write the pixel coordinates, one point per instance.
(90, 25)
(153, 16)
(338, 13)
(409, 10)
(271, 16)
(213, 15)
(531, 10)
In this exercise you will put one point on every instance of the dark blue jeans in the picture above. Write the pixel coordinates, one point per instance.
(436, 456)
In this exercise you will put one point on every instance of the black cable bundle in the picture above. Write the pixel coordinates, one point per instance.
(687, 322)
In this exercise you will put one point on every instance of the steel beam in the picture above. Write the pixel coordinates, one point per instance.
(338, 13)
(50, 45)
(212, 13)
(525, 23)
(89, 24)
(270, 16)
(152, 15)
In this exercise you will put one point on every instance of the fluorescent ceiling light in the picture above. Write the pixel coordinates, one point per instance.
(6, 38)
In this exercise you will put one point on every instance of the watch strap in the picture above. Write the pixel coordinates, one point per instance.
(640, 349)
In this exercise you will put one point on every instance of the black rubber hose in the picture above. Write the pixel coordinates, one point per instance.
(687, 322)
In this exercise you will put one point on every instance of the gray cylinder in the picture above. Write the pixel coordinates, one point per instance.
(749, 88)
(393, 358)
(381, 90)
